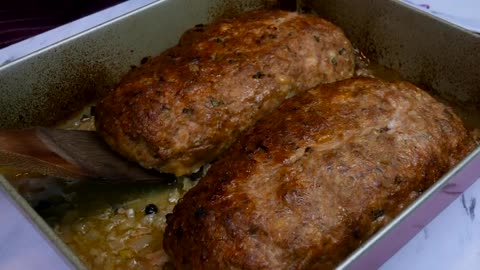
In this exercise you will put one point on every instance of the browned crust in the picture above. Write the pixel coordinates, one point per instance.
(186, 106)
(316, 178)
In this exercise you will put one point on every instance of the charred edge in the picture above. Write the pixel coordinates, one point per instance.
(179, 232)
(356, 233)
(200, 212)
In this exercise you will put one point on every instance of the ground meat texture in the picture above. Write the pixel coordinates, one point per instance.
(183, 108)
(309, 183)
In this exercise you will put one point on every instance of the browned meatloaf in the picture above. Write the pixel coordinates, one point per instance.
(313, 180)
(183, 108)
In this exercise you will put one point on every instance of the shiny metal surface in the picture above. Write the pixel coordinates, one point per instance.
(40, 88)
(27, 241)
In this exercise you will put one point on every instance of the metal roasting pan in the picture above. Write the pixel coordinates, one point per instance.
(50, 84)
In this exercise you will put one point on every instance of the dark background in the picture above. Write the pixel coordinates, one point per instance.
(22, 19)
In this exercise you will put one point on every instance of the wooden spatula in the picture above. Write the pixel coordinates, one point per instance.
(69, 154)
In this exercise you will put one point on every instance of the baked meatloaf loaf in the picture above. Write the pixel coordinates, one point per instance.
(313, 180)
(183, 108)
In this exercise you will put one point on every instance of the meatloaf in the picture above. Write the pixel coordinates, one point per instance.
(183, 108)
(310, 182)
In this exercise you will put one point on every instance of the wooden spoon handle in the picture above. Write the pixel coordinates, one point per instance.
(71, 154)
(24, 151)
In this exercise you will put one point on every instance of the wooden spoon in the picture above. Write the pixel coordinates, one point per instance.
(69, 154)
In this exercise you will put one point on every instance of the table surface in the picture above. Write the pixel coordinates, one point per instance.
(450, 241)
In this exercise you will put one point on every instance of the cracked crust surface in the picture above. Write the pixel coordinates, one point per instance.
(317, 177)
(184, 107)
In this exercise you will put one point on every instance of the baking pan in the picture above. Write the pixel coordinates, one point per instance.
(50, 84)
(434, 54)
